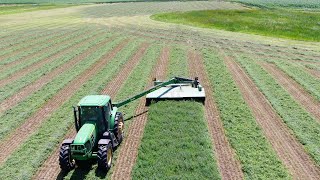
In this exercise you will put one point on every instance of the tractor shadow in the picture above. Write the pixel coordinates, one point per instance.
(82, 172)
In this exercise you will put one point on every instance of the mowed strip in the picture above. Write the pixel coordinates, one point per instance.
(258, 159)
(24, 92)
(51, 168)
(33, 57)
(16, 52)
(295, 89)
(85, 38)
(14, 38)
(229, 166)
(21, 39)
(12, 142)
(129, 150)
(290, 151)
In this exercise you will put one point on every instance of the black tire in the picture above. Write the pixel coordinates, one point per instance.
(118, 121)
(105, 154)
(65, 161)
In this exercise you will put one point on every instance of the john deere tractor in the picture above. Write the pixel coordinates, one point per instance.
(100, 127)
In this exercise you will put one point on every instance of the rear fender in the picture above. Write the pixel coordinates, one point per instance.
(67, 142)
(113, 116)
(104, 141)
(111, 137)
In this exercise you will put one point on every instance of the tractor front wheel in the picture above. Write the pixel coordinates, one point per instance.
(105, 154)
(65, 161)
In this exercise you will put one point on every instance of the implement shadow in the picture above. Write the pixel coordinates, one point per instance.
(136, 115)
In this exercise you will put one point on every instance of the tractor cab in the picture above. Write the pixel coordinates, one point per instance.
(94, 109)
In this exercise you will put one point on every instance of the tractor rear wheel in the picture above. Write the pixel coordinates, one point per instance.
(65, 161)
(105, 154)
(119, 127)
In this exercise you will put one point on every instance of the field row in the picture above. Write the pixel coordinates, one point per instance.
(260, 119)
(239, 128)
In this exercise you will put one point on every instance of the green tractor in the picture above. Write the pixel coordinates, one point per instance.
(100, 127)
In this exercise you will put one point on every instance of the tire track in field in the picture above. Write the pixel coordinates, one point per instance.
(295, 89)
(129, 150)
(19, 135)
(50, 169)
(26, 70)
(288, 149)
(229, 166)
(38, 84)
(36, 43)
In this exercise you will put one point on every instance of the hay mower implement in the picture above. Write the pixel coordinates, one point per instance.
(100, 127)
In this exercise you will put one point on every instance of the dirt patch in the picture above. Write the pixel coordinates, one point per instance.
(129, 150)
(229, 166)
(26, 91)
(289, 150)
(50, 168)
(19, 135)
(295, 89)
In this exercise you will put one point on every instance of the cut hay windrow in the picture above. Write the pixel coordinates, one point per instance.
(35, 59)
(129, 150)
(296, 90)
(229, 166)
(292, 114)
(133, 83)
(12, 97)
(32, 33)
(46, 111)
(123, 59)
(256, 155)
(250, 127)
(49, 60)
(61, 119)
(288, 148)
(13, 53)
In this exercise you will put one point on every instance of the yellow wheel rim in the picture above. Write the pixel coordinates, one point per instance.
(120, 128)
(109, 156)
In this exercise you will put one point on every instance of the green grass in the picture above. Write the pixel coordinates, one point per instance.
(304, 127)
(306, 80)
(28, 7)
(62, 3)
(289, 24)
(178, 65)
(14, 86)
(47, 138)
(281, 3)
(136, 82)
(15, 116)
(176, 144)
(258, 159)
(37, 46)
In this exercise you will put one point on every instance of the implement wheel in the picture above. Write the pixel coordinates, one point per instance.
(119, 127)
(105, 154)
(65, 161)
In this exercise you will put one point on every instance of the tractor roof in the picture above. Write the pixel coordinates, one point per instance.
(94, 100)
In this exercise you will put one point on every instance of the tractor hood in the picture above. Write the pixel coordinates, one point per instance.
(87, 131)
